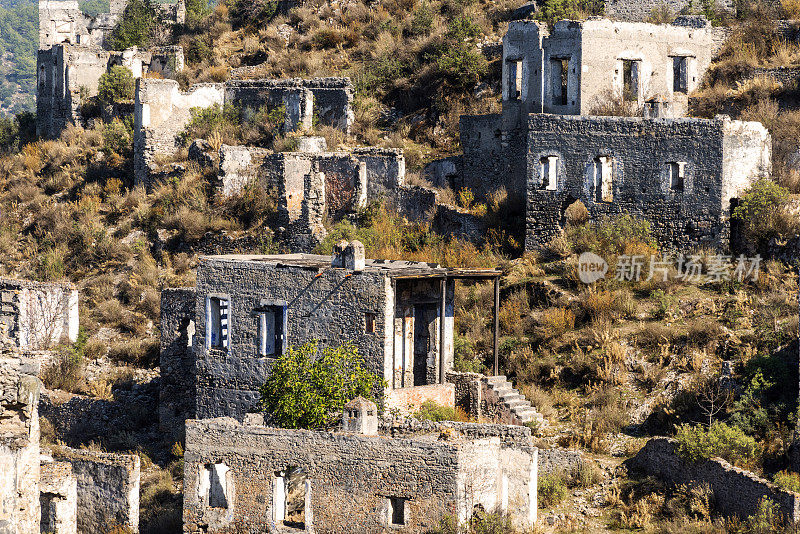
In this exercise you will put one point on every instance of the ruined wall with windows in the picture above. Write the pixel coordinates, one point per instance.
(249, 309)
(37, 315)
(580, 65)
(68, 77)
(681, 175)
(270, 478)
(162, 111)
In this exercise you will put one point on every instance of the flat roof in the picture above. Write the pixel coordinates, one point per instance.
(393, 268)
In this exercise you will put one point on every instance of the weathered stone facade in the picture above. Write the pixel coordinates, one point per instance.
(258, 478)
(58, 498)
(390, 310)
(107, 489)
(736, 492)
(682, 175)
(68, 75)
(176, 394)
(19, 448)
(641, 10)
(36, 315)
(582, 64)
(162, 111)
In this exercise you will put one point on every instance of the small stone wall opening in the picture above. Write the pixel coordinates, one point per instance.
(630, 80)
(214, 485)
(290, 496)
(271, 331)
(559, 69)
(218, 322)
(425, 320)
(514, 79)
(397, 509)
(369, 323)
(548, 172)
(680, 75)
(675, 173)
(603, 168)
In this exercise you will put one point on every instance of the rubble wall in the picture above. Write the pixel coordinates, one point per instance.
(353, 476)
(176, 395)
(107, 488)
(58, 497)
(640, 152)
(36, 315)
(737, 492)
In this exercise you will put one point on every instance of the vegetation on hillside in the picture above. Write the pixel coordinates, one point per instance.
(19, 38)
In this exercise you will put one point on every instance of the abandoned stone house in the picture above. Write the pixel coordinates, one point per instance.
(684, 176)
(162, 110)
(247, 310)
(581, 64)
(68, 76)
(69, 492)
(37, 315)
(73, 55)
(252, 477)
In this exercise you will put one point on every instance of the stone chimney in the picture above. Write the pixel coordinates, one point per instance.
(348, 255)
(360, 416)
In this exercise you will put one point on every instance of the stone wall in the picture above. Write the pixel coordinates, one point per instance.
(36, 315)
(163, 111)
(641, 10)
(407, 401)
(176, 394)
(363, 478)
(330, 308)
(787, 76)
(718, 159)
(736, 492)
(107, 488)
(58, 497)
(19, 448)
(68, 75)
(559, 460)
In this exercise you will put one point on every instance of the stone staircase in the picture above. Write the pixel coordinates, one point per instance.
(514, 401)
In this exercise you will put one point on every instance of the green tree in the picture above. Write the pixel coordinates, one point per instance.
(696, 443)
(135, 26)
(762, 211)
(304, 392)
(197, 11)
(116, 85)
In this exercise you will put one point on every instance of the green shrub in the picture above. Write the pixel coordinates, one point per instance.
(611, 235)
(431, 411)
(788, 480)
(762, 211)
(552, 490)
(118, 138)
(304, 392)
(135, 27)
(116, 85)
(696, 443)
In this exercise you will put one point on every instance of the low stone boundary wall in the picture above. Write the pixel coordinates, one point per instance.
(408, 400)
(107, 488)
(737, 492)
(559, 460)
(788, 76)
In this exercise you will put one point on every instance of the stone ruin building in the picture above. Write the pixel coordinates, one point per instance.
(37, 315)
(642, 10)
(162, 110)
(64, 491)
(219, 340)
(73, 55)
(247, 475)
(682, 175)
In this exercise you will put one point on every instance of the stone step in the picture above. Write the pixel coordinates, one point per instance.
(505, 390)
(491, 380)
(512, 397)
(526, 410)
(516, 404)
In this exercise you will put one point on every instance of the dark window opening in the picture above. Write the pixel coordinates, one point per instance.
(218, 324)
(630, 80)
(675, 172)
(369, 323)
(514, 79)
(680, 74)
(398, 509)
(272, 330)
(560, 80)
(548, 172)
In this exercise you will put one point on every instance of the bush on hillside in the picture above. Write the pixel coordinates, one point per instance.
(135, 27)
(762, 210)
(116, 85)
(697, 443)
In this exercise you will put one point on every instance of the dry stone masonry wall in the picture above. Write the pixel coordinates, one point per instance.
(36, 315)
(176, 394)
